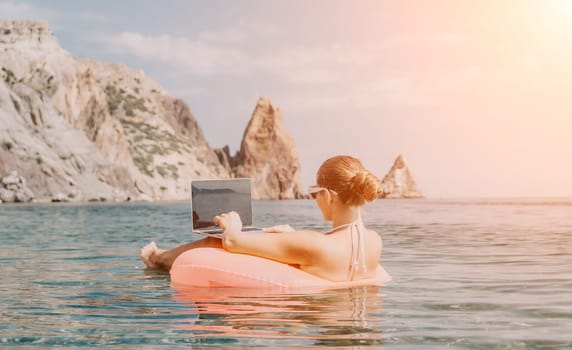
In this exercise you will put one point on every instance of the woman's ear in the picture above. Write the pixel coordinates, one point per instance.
(329, 197)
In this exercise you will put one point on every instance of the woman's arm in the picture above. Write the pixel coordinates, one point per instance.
(278, 229)
(300, 247)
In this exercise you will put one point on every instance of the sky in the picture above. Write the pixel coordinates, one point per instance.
(476, 95)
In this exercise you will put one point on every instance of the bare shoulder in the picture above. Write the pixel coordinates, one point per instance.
(373, 233)
(375, 237)
(303, 247)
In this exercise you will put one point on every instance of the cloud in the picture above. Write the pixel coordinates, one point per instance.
(297, 102)
(91, 17)
(193, 56)
(434, 40)
(351, 73)
(228, 52)
(189, 92)
(239, 33)
(22, 10)
(215, 52)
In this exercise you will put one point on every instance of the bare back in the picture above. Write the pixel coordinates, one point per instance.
(333, 260)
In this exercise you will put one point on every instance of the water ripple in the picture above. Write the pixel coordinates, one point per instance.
(467, 275)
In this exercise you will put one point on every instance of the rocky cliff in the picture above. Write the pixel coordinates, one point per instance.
(399, 182)
(268, 155)
(80, 130)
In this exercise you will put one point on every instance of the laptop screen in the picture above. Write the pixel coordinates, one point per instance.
(214, 197)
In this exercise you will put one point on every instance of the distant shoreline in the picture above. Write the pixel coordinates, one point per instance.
(566, 201)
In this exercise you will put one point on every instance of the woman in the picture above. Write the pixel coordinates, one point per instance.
(347, 252)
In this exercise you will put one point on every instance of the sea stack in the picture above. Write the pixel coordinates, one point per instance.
(268, 155)
(399, 182)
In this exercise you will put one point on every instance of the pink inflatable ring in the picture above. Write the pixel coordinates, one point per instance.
(215, 267)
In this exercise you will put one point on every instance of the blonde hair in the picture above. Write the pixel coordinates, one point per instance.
(353, 183)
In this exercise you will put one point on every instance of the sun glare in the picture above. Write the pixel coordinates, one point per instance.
(559, 14)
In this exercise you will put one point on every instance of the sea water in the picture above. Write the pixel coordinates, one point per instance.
(467, 274)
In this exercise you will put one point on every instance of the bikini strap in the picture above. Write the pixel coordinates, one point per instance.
(337, 228)
(357, 230)
(358, 250)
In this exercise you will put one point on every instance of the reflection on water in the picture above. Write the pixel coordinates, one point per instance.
(341, 317)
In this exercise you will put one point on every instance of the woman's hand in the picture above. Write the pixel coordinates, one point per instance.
(229, 222)
(231, 225)
(278, 229)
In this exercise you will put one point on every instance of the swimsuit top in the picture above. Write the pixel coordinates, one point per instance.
(358, 247)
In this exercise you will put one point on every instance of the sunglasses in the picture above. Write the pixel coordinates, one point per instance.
(314, 190)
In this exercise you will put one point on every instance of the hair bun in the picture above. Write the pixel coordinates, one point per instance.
(363, 187)
(347, 176)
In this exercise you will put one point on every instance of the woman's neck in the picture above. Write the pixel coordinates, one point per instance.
(342, 215)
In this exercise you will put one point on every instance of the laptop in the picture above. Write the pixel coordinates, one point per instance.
(214, 197)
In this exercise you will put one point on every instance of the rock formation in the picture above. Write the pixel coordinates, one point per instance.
(91, 130)
(268, 155)
(81, 130)
(13, 189)
(399, 182)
